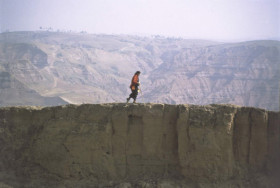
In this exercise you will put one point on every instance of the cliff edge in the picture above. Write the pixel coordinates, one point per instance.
(139, 145)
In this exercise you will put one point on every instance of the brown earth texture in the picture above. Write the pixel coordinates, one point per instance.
(139, 145)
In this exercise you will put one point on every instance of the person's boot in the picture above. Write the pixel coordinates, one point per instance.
(127, 100)
(134, 101)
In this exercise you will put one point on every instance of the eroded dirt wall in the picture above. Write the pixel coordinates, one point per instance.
(105, 143)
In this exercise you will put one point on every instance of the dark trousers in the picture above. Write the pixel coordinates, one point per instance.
(134, 93)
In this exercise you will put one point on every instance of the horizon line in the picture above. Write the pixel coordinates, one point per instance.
(145, 35)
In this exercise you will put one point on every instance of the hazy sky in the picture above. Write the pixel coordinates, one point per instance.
(203, 19)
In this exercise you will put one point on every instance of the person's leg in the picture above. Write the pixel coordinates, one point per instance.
(132, 95)
(135, 93)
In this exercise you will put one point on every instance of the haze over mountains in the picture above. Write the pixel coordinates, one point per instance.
(84, 68)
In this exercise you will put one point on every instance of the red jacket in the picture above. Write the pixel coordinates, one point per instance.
(134, 82)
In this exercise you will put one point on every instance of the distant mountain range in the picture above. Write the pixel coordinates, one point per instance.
(53, 68)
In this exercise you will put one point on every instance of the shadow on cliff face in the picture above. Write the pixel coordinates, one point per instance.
(139, 145)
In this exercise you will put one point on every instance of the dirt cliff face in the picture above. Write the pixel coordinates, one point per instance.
(144, 145)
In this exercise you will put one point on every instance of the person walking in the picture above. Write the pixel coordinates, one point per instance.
(134, 87)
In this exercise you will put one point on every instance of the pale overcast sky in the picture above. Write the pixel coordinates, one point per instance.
(224, 20)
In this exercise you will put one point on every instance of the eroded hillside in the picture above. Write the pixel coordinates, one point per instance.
(86, 68)
(144, 145)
